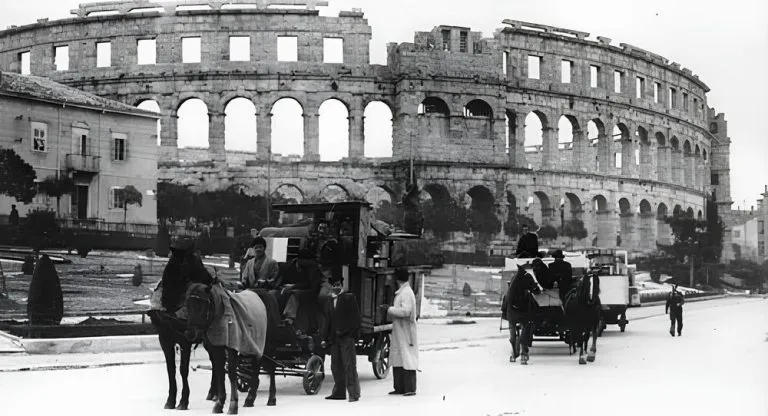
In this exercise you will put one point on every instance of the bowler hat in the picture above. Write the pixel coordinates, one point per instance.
(558, 254)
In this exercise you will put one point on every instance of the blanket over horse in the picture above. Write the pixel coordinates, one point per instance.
(240, 321)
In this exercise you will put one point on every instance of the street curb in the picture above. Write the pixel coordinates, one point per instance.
(121, 343)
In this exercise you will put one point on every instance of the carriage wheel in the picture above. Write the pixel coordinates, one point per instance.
(380, 361)
(314, 375)
(244, 374)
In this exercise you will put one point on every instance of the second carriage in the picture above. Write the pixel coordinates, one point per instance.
(345, 239)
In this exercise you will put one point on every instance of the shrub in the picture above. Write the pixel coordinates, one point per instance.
(41, 228)
(45, 304)
(83, 251)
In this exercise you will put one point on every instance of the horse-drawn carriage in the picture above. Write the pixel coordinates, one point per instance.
(615, 279)
(548, 318)
(344, 239)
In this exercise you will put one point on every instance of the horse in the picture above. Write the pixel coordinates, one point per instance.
(582, 315)
(184, 267)
(232, 325)
(518, 305)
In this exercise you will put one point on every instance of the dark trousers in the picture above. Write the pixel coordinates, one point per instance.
(676, 315)
(344, 368)
(404, 380)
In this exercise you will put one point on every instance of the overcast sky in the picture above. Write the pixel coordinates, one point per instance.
(725, 43)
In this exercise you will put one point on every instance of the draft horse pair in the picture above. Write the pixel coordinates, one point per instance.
(581, 314)
(196, 308)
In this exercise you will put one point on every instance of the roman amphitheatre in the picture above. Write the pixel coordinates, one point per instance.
(547, 122)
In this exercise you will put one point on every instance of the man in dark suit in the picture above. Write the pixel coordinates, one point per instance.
(562, 272)
(340, 330)
(528, 244)
(674, 308)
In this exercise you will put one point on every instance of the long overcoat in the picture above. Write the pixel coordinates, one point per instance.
(404, 349)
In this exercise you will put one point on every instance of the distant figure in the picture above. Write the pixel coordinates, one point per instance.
(340, 331)
(562, 273)
(674, 308)
(404, 350)
(528, 244)
(13, 218)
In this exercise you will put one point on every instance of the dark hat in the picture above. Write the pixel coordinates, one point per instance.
(259, 241)
(305, 253)
(182, 243)
(336, 277)
(558, 254)
(401, 274)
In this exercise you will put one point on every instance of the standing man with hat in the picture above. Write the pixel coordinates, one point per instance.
(339, 332)
(562, 273)
(404, 352)
(674, 308)
(528, 244)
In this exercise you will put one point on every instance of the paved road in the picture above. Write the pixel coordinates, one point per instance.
(718, 367)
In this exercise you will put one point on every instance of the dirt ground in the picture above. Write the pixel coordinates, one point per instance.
(102, 282)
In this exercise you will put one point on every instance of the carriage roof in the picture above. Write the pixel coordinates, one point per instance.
(577, 260)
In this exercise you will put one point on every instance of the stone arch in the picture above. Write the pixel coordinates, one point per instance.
(699, 215)
(567, 128)
(334, 193)
(287, 127)
(662, 211)
(674, 143)
(687, 147)
(643, 156)
(192, 125)
(535, 125)
(595, 134)
(646, 227)
(574, 206)
(434, 105)
(624, 206)
(436, 192)
(620, 132)
(240, 124)
(603, 236)
(677, 211)
(704, 154)
(333, 130)
(660, 139)
(645, 207)
(479, 109)
(663, 230)
(150, 104)
(482, 211)
(377, 129)
(287, 193)
(626, 229)
(697, 151)
(540, 208)
(599, 203)
(689, 212)
(510, 130)
(378, 195)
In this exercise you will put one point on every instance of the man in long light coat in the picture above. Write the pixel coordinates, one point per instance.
(404, 350)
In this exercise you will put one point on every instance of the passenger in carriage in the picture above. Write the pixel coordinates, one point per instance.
(260, 271)
(301, 283)
(562, 273)
(543, 274)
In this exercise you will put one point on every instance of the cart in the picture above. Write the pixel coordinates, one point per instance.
(615, 280)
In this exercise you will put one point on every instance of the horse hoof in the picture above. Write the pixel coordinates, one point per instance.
(182, 406)
(582, 360)
(169, 405)
(218, 408)
(271, 402)
(211, 396)
(232, 411)
(591, 358)
(248, 403)
(512, 359)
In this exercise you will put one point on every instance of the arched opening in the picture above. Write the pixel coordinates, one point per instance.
(434, 105)
(511, 226)
(240, 125)
(624, 206)
(689, 212)
(334, 130)
(192, 126)
(599, 204)
(478, 109)
(377, 196)
(663, 230)
(625, 222)
(442, 214)
(334, 193)
(535, 122)
(677, 211)
(699, 215)
(661, 141)
(510, 130)
(566, 129)
(540, 208)
(687, 147)
(287, 194)
(704, 154)
(287, 128)
(377, 130)
(623, 159)
(152, 105)
(674, 143)
(643, 156)
(645, 208)
(596, 131)
(574, 209)
(482, 213)
(604, 218)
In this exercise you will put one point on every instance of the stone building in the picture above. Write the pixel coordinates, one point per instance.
(642, 142)
(103, 145)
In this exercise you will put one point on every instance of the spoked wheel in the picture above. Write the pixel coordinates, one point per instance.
(244, 374)
(314, 375)
(380, 361)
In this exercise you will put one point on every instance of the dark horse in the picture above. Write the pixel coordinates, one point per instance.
(518, 306)
(183, 268)
(232, 325)
(582, 315)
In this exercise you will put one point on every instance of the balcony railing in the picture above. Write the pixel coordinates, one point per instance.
(82, 163)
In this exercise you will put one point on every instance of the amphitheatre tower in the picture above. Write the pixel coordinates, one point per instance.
(640, 141)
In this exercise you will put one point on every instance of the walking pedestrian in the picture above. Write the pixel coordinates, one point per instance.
(339, 332)
(674, 308)
(404, 351)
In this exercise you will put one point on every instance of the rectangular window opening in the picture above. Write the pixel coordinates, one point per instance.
(672, 98)
(446, 40)
(714, 179)
(61, 58)
(39, 136)
(617, 79)
(103, 54)
(656, 92)
(617, 159)
(287, 48)
(639, 87)
(637, 157)
(146, 51)
(463, 41)
(333, 50)
(116, 198)
(685, 101)
(240, 48)
(24, 60)
(534, 67)
(594, 74)
(504, 61)
(119, 146)
(190, 50)
(565, 71)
